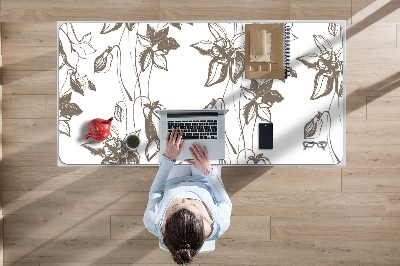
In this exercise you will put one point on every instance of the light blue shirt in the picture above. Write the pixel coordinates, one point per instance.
(209, 188)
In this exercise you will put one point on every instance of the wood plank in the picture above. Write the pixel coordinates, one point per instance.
(383, 108)
(335, 228)
(373, 132)
(147, 251)
(374, 75)
(82, 179)
(1, 155)
(40, 62)
(1, 237)
(397, 35)
(29, 51)
(107, 203)
(358, 6)
(223, 10)
(381, 180)
(309, 204)
(29, 34)
(33, 202)
(360, 155)
(85, 251)
(129, 227)
(328, 9)
(29, 82)
(113, 264)
(53, 226)
(29, 130)
(51, 106)
(368, 12)
(113, 10)
(30, 154)
(24, 106)
(359, 36)
(58, 178)
(284, 179)
(356, 108)
(21, 264)
(364, 252)
(393, 204)
(249, 227)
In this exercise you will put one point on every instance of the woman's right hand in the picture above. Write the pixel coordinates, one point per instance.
(200, 159)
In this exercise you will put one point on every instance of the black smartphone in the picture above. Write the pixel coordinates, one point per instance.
(265, 136)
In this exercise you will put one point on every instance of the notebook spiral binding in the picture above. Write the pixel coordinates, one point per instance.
(287, 50)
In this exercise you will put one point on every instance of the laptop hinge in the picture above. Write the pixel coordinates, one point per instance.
(191, 114)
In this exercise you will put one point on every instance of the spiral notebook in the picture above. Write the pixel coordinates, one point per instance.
(267, 49)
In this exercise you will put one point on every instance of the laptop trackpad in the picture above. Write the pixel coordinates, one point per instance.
(201, 143)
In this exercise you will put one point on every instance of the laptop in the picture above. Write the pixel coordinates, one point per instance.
(206, 127)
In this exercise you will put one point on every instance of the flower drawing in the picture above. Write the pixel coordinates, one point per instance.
(329, 68)
(157, 45)
(114, 150)
(261, 98)
(227, 55)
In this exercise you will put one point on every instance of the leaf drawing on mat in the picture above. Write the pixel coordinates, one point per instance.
(102, 63)
(261, 98)
(114, 150)
(312, 129)
(216, 104)
(179, 25)
(293, 73)
(66, 111)
(81, 46)
(153, 141)
(109, 27)
(227, 55)
(329, 67)
(293, 36)
(63, 55)
(258, 159)
(334, 29)
(157, 45)
(80, 84)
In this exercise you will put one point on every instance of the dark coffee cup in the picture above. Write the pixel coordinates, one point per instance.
(132, 141)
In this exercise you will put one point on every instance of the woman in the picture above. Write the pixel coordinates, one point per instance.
(186, 211)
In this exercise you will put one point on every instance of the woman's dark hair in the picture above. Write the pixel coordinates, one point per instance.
(184, 235)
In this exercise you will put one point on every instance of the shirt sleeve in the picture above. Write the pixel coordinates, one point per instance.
(222, 199)
(156, 194)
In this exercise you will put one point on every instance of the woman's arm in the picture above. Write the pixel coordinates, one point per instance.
(172, 149)
(156, 194)
(224, 204)
(222, 199)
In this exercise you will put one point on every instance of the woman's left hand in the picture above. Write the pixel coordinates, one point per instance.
(174, 144)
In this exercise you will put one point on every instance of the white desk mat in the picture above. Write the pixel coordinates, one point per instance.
(129, 70)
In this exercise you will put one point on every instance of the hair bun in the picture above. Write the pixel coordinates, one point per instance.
(183, 255)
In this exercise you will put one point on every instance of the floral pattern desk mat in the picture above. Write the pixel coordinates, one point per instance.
(129, 70)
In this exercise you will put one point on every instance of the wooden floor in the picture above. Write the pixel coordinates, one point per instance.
(281, 215)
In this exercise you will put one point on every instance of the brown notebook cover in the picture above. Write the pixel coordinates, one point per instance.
(265, 51)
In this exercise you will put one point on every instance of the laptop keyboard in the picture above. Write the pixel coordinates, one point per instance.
(196, 129)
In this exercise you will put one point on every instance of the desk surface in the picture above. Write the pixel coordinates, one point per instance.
(129, 70)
